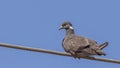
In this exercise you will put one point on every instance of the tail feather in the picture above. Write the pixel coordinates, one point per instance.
(100, 52)
(103, 45)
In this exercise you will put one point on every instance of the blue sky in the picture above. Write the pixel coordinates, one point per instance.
(35, 23)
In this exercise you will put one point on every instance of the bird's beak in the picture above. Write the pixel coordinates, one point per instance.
(61, 27)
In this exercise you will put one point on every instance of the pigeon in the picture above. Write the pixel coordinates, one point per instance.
(79, 45)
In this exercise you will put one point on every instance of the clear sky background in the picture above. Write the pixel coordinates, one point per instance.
(35, 23)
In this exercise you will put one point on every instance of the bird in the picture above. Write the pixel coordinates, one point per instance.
(79, 46)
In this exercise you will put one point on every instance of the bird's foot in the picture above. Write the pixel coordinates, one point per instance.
(75, 55)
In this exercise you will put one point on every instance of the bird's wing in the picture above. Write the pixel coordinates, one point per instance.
(74, 43)
(77, 43)
(94, 48)
(86, 46)
(80, 44)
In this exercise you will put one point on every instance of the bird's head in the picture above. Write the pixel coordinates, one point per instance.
(66, 25)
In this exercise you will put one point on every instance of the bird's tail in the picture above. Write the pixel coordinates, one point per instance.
(103, 45)
(100, 52)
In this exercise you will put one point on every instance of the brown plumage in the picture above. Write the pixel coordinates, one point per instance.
(79, 45)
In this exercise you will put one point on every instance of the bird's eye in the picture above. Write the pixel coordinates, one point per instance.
(64, 25)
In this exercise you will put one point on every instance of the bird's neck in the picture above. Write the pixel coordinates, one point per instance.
(70, 32)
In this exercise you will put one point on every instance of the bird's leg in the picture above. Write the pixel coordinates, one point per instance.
(73, 54)
(77, 54)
